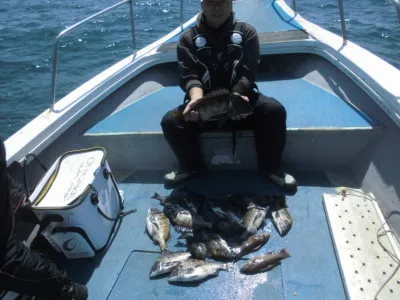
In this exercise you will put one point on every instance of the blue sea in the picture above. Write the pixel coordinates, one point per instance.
(28, 29)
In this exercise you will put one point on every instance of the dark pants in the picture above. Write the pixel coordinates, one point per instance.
(21, 270)
(268, 121)
(30, 273)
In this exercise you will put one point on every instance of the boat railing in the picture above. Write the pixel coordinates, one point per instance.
(396, 4)
(74, 26)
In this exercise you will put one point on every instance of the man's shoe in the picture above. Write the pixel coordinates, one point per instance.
(74, 291)
(284, 180)
(175, 178)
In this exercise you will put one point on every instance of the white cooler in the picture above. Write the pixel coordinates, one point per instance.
(78, 202)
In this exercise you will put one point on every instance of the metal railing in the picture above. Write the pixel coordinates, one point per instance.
(71, 28)
(76, 25)
(396, 4)
(343, 22)
(182, 17)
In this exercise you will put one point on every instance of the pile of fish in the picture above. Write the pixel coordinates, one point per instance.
(224, 231)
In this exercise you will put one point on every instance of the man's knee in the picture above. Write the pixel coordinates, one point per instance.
(271, 108)
(167, 120)
(173, 118)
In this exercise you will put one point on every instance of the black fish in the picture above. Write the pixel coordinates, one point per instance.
(221, 105)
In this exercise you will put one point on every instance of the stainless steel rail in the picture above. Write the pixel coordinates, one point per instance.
(182, 17)
(396, 4)
(342, 21)
(71, 28)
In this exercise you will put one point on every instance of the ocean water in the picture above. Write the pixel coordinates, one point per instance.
(28, 29)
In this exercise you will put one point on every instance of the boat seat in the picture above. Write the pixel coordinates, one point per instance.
(307, 105)
(317, 121)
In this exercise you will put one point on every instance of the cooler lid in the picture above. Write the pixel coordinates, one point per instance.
(68, 178)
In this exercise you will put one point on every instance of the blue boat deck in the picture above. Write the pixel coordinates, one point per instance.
(307, 105)
(312, 272)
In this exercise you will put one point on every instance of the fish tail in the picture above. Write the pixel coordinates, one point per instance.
(285, 252)
(185, 235)
(237, 252)
(228, 267)
(163, 246)
(158, 197)
(165, 252)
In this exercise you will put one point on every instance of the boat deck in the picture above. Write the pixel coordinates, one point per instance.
(307, 105)
(312, 272)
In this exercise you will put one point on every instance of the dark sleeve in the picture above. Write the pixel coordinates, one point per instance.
(189, 76)
(251, 59)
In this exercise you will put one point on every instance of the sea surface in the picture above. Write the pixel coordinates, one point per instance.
(28, 29)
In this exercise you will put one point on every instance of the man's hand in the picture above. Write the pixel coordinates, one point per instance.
(241, 117)
(196, 94)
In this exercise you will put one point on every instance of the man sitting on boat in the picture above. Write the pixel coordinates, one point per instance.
(221, 52)
(21, 270)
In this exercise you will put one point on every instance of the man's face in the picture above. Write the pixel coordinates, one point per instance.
(216, 11)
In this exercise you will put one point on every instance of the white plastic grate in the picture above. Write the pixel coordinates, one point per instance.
(354, 221)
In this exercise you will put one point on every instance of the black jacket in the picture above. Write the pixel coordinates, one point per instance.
(224, 58)
(6, 215)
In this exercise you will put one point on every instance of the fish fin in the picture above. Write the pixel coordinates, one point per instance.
(228, 267)
(181, 229)
(156, 196)
(237, 252)
(257, 248)
(185, 235)
(270, 267)
(165, 252)
(251, 206)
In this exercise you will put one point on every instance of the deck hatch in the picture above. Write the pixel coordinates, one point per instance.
(354, 222)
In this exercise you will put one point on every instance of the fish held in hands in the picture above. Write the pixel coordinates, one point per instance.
(219, 105)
